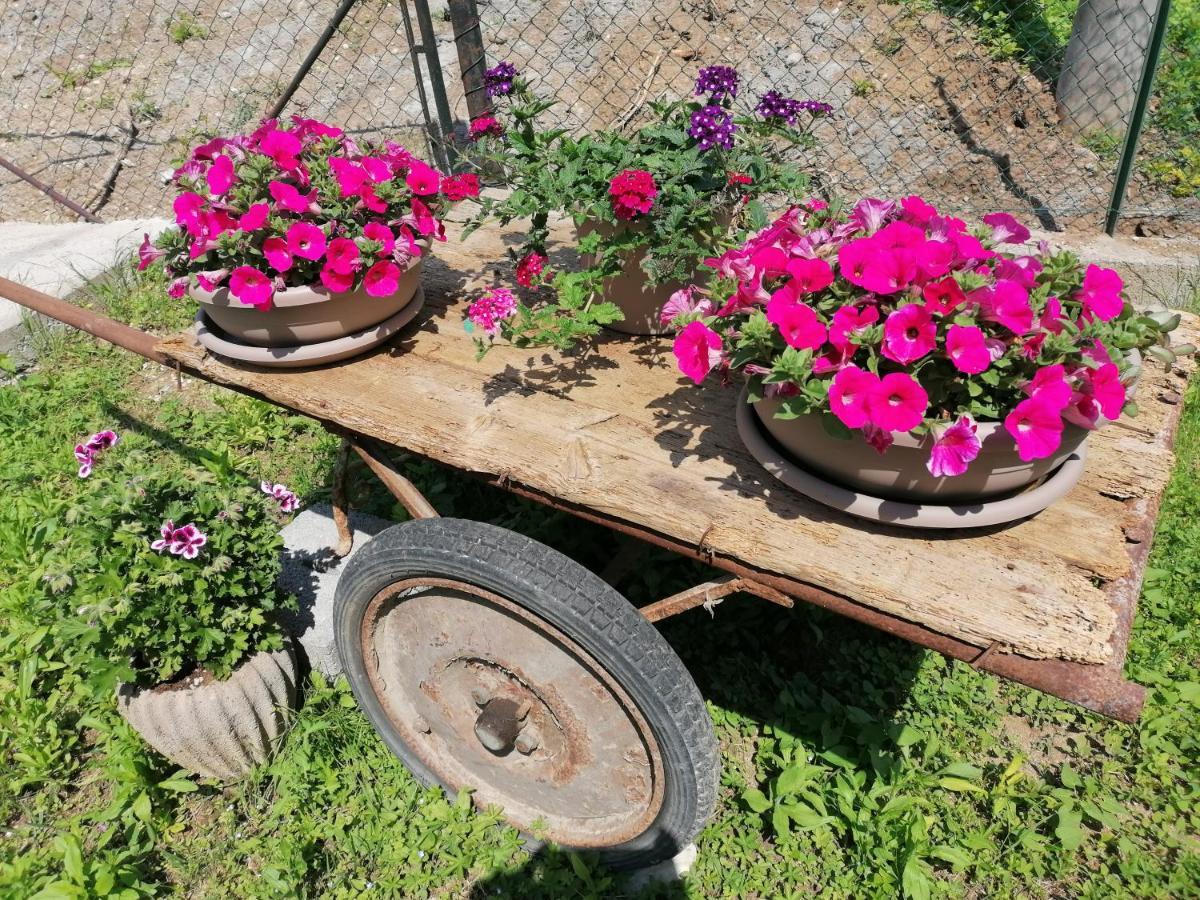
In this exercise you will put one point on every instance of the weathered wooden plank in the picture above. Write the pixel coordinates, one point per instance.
(617, 431)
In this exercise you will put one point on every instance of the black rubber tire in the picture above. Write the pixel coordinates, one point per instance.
(584, 608)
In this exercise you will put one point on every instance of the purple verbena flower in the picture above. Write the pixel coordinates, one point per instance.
(711, 127)
(719, 82)
(816, 107)
(774, 105)
(499, 79)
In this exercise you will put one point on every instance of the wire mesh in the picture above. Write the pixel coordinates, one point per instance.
(100, 98)
(976, 104)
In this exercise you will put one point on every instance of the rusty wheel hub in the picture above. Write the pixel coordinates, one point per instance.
(490, 696)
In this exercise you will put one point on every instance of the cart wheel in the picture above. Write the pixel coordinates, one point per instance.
(487, 660)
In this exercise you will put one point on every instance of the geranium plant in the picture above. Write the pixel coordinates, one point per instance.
(183, 570)
(671, 189)
(891, 318)
(302, 204)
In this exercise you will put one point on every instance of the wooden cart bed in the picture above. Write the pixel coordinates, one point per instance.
(618, 436)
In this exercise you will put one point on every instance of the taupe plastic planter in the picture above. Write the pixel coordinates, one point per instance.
(900, 474)
(219, 729)
(306, 315)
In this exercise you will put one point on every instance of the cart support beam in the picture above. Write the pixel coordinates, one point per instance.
(711, 593)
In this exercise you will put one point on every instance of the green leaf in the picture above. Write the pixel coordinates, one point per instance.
(756, 800)
(179, 785)
(960, 785)
(790, 780)
(141, 807)
(956, 856)
(73, 859)
(1069, 777)
(914, 881)
(1069, 829)
(908, 736)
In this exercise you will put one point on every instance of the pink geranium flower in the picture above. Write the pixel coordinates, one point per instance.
(967, 349)
(953, 449)
(305, 240)
(251, 287)
(1036, 426)
(288, 501)
(382, 279)
(148, 253)
(697, 350)
(908, 334)
(186, 541)
(279, 257)
(1101, 294)
(220, 175)
(1006, 229)
(797, 321)
(166, 530)
(255, 217)
(87, 452)
(849, 393)
(897, 403)
(422, 179)
(342, 255)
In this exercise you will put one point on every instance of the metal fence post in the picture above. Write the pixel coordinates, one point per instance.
(1137, 120)
(472, 61)
(437, 86)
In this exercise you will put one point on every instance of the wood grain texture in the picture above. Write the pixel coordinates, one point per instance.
(617, 430)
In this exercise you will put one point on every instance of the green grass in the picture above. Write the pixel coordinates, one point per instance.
(854, 765)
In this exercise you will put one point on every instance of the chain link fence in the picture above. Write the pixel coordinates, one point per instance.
(978, 105)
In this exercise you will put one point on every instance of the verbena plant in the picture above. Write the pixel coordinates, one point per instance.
(303, 204)
(690, 180)
(181, 573)
(892, 318)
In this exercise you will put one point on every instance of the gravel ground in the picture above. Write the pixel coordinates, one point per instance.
(98, 97)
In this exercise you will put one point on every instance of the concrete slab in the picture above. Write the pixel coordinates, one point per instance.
(310, 571)
(59, 259)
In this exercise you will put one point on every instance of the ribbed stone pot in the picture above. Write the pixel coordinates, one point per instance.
(901, 473)
(219, 729)
(306, 314)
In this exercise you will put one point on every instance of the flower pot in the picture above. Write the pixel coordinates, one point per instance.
(901, 473)
(630, 289)
(306, 314)
(219, 729)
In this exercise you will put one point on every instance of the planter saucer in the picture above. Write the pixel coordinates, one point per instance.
(216, 341)
(898, 512)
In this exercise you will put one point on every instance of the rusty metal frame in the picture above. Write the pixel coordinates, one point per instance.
(1101, 688)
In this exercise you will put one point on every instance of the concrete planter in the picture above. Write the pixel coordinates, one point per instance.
(900, 473)
(219, 729)
(307, 314)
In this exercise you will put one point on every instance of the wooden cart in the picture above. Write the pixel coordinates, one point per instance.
(488, 660)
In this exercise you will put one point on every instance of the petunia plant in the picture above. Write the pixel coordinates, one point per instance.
(890, 317)
(693, 178)
(301, 204)
(180, 569)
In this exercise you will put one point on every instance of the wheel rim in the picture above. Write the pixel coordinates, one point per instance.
(491, 696)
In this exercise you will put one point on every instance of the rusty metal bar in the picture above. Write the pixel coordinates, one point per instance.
(94, 324)
(400, 487)
(712, 591)
(1101, 688)
(341, 501)
(62, 199)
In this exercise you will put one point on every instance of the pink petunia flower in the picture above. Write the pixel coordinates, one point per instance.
(684, 302)
(917, 211)
(349, 175)
(908, 334)
(377, 231)
(967, 349)
(188, 207)
(849, 393)
(382, 279)
(1006, 229)
(953, 449)
(848, 322)
(220, 176)
(808, 276)
(342, 256)
(336, 282)
(1101, 294)
(282, 147)
(870, 213)
(279, 257)
(426, 222)
(148, 253)
(877, 438)
(1008, 304)
(697, 351)
(1049, 385)
(212, 279)
(423, 180)
(1051, 317)
(305, 240)
(255, 217)
(1104, 384)
(797, 321)
(251, 287)
(288, 198)
(853, 258)
(1037, 428)
(177, 289)
(897, 403)
(378, 170)
(943, 297)
(889, 271)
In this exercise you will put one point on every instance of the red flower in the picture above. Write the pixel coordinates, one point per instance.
(632, 193)
(486, 126)
(529, 268)
(736, 178)
(460, 187)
